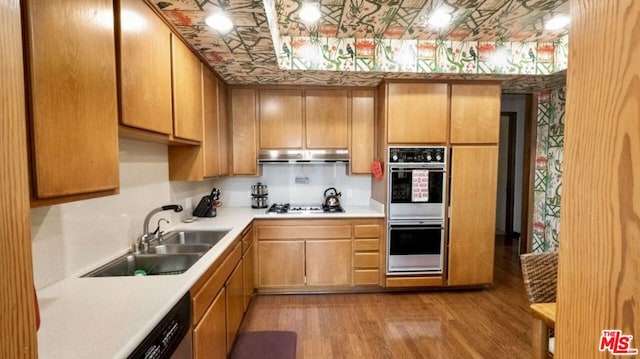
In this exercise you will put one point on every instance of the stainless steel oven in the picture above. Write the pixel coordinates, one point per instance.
(415, 247)
(417, 183)
(416, 210)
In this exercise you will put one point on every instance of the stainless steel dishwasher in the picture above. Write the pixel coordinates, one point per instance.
(171, 338)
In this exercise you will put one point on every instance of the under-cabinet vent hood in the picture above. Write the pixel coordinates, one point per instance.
(303, 156)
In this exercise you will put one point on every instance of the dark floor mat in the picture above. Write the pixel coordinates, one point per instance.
(265, 345)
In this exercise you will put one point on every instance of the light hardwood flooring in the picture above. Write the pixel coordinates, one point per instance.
(484, 323)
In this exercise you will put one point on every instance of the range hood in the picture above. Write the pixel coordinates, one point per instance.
(303, 156)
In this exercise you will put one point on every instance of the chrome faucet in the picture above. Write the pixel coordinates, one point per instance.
(147, 237)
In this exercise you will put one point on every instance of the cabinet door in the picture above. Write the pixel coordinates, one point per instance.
(473, 219)
(280, 119)
(249, 262)
(187, 92)
(280, 263)
(210, 144)
(326, 119)
(362, 133)
(417, 113)
(73, 97)
(243, 117)
(475, 113)
(328, 262)
(210, 335)
(145, 68)
(235, 303)
(223, 131)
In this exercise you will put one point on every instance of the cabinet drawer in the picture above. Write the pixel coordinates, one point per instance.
(203, 297)
(366, 277)
(367, 260)
(304, 232)
(367, 245)
(247, 238)
(366, 231)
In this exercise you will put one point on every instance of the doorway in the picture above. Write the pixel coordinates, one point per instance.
(506, 176)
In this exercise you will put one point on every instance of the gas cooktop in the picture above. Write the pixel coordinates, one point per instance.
(284, 208)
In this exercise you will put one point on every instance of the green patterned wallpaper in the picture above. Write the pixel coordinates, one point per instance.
(548, 170)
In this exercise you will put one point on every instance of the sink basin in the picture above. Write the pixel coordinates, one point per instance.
(179, 248)
(194, 237)
(152, 264)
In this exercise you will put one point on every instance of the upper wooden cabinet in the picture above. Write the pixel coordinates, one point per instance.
(474, 173)
(196, 163)
(362, 131)
(145, 68)
(244, 132)
(187, 92)
(326, 119)
(417, 113)
(475, 113)
(72, 98)
(280, 119)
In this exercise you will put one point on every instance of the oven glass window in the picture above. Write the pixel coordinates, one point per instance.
(410, 240)
(401, 184)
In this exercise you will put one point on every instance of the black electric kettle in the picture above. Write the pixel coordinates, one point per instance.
(331, 197)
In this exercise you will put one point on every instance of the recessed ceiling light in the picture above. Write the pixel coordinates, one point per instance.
(557, 22)
(219, 21)
(439, 19)
(310, 12)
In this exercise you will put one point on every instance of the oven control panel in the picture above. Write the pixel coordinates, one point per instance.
(417, 154)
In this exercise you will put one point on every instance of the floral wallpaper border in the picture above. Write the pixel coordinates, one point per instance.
(422, 56)
(548, 170)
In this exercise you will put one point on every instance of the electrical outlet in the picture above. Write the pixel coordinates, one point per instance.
(349, 193)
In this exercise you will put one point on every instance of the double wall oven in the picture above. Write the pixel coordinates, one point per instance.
(416, 210)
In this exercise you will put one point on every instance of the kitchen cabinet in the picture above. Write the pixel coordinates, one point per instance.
(472, 222)
(207, 160)
(280, 263)
(249, 262)
(328, 262)
(187, 92)
(244, 132)
(210, 335)
(326, 119)
(223, 131)
(475, 113)
(234, 290)
(280, 119)
(218, 304)
(72, 98)
(417, 113)
(362, 131)
(367, 257)
(145, 69)
(316, 254)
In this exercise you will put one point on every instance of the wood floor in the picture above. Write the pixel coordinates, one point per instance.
(486, 323)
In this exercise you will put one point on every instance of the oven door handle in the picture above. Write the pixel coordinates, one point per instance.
(405, 169)
(426, 226)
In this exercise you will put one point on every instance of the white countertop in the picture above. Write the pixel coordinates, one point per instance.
(108, 317)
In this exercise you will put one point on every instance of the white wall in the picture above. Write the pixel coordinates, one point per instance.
(71, 237)
(280, 180)
(517, 103)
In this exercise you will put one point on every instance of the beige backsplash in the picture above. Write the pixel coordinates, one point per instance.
(69, 238)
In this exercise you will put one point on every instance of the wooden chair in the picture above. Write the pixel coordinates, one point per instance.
(540, 274)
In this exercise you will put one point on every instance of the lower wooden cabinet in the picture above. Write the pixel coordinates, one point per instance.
(235, 303)
(249, 263)
(328, 262)
(280, 264)
(316, 254)
(210, 335)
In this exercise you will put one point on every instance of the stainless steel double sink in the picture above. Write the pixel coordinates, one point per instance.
(175, 254)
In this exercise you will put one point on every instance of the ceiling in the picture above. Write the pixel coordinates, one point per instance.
(246, 54)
